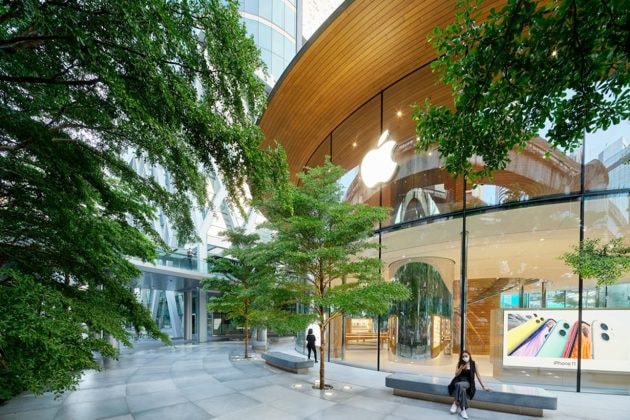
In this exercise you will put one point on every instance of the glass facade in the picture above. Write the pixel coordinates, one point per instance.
(273, 25)
(487, 256)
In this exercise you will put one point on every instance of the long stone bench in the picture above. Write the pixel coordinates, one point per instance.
(287, 362)
(518, 399)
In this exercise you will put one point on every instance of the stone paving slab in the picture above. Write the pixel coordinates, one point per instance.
(209, 381)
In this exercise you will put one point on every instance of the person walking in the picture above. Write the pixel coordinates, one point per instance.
(310, 344)
(462, 387)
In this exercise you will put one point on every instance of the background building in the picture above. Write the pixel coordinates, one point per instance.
(170, 286)
(503, 289)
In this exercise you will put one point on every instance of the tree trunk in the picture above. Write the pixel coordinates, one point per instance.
(246, 332)
(322, 342)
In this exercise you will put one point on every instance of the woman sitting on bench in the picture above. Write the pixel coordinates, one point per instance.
(462, 387)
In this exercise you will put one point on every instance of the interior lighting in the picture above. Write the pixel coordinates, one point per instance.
(347, 387)
(354, 144)
(554, 53)
(399, 113)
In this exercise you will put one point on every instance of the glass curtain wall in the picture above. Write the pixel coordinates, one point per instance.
(521, 307)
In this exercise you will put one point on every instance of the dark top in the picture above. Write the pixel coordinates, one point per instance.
(465, 375)
(310, 341)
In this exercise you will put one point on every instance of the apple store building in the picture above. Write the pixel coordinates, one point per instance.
(482, 261)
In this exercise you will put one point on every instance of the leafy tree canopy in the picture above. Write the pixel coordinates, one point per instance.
(81, 85)
(564, 62)
(251, 294)
(325, 242)
(606, 263)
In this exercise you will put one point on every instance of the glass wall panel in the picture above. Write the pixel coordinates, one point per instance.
(606, 316)
(607, 153)
(265, 9)
(289, 20)
(265, 36)
(420, 188)
(250, 6)
(320, 154)
(530, 174)
(277, 15)
(252, 28)
(351, 141)
(418, 335)
(277, 42)
(513, 262)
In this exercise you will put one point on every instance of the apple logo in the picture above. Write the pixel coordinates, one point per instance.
(377, 165)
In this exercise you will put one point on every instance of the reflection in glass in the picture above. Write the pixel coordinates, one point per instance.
(421, 326)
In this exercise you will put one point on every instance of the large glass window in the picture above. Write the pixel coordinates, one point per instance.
(605, 332)
(514, 258)
(352, 140)
(422, 331)
(420, 188)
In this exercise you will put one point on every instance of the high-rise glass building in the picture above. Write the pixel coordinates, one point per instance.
(276, 26)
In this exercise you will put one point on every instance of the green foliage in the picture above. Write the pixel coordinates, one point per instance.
(561, 61)
(325, 242)
(250, 293)
(83, 84)
(606, 263)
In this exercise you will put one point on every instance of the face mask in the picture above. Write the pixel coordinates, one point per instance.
(466, 359)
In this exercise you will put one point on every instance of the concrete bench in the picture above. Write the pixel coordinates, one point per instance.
(287, 362)
(508, 398)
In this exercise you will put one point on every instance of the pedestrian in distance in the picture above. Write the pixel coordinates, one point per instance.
(462, 387)
(310, 344)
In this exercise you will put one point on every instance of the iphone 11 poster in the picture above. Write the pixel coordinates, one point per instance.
(554, 338)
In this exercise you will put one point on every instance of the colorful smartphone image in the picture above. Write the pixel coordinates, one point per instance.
(571, 348)
(531, 346)
(609, 343)
(569, 345)
(585, 343)
(557, 340)
(520, 333)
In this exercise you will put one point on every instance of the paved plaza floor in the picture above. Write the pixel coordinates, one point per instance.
(207, 381)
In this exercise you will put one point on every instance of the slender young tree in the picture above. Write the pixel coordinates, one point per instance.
(564, 63)
(83, 83)
(325, 242)
(250, 293)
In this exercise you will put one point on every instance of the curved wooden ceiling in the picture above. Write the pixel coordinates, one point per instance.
(363, 48)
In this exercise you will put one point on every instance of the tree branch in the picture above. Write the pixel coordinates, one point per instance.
(28, 41)
(44, 80)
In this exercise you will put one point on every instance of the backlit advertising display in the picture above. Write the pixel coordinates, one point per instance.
(549, 339)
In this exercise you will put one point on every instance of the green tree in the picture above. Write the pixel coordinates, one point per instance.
(250, 293)
(561, 62)
(81, 85)
(325, 242)
(606, 263)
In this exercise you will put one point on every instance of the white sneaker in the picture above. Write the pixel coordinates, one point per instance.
(453, 409)
(463, 414)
